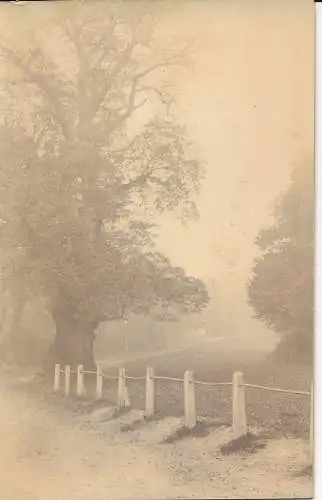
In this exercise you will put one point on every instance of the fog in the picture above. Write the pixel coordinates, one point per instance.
(248, 103)
(82, 298)
(247, 100)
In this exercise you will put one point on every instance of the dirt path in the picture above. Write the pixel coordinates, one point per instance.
(46, 455)
(42, 457)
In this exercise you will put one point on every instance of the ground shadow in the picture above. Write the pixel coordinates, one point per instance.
(140, 422)
(249, 443)
(201, 429)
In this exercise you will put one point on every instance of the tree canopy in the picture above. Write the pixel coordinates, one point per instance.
(83, 173)
(281, 287)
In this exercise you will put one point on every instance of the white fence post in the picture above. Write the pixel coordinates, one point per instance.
(239, 406)
(57, 378)
(123, 400)
(150, 393)
(312, 424)
(80, 389)
(67, 381)
(190, 417)
(99, 383)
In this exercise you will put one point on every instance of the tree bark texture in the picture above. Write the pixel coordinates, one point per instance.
(73, 344)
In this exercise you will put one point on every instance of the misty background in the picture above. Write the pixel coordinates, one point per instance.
(246, 98)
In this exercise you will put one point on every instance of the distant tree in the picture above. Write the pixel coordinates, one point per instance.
(281, 288)
(80, 188)
(12, 309)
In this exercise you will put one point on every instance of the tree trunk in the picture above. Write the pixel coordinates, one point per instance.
(73, 344)
(10, 339)
(296, 347)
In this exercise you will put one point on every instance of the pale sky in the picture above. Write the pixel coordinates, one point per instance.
(248, 102)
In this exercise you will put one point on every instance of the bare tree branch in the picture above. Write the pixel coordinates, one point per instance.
(131, 106)
(123, 58)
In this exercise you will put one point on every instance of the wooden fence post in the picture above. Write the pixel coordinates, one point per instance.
(239, 406)
(190, 417)
(99, 383)
(312, 424)
(123, 400)
(67, 381)
(150, 393)
(57, 378)
(80, 389)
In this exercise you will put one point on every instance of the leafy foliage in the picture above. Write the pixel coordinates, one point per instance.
(281, 288)
(79, 188)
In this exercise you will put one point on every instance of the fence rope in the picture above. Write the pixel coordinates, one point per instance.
(197, 382)
(212, 384)
(109, 377)
(276, 389)
(172, 379)
(239, 423)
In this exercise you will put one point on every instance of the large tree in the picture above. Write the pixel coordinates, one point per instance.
(83, 172)
(281, 288)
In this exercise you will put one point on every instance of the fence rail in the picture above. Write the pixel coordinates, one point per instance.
(239, 387)
(213, 384)
(134, 378)
(109, 377)
(277, 389)
(170, 379)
